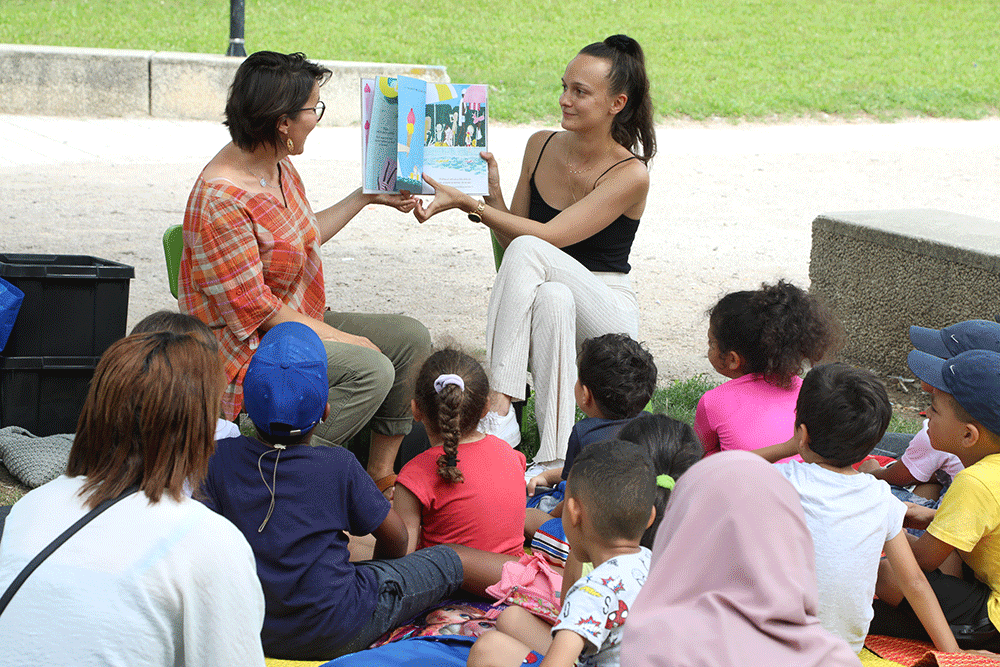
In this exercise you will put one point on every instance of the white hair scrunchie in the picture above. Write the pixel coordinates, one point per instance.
(445, 380)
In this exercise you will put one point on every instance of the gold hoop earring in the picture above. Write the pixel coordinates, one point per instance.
(291, 146)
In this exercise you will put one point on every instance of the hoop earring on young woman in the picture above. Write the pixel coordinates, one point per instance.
(290, 145)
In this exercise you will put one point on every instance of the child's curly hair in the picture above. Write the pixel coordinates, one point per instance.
(619, 372)
(451, 411)
(774, 329)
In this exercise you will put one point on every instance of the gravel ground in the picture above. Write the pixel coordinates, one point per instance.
(730, 205)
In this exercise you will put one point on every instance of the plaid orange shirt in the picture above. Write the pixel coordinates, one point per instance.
(244, 256)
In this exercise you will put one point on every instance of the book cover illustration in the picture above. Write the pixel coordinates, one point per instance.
(412, 127)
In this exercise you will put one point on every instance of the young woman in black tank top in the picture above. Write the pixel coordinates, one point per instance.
(581, 192)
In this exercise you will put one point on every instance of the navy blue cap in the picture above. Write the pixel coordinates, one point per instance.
(972, 377)
(285, 390)
(957, 338)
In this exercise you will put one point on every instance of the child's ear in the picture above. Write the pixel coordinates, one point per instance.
(732, 360)
(802, 433)
(326, 412)
(652, 516)
(572, 511)
(417, 414)
(971, 436)
(586, 395)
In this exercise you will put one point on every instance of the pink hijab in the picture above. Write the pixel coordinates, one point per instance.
(733, 578)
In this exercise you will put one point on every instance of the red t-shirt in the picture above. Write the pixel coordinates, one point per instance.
(486, 511)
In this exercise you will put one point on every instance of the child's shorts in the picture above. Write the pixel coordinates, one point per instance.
(964, 604)
(406, 587)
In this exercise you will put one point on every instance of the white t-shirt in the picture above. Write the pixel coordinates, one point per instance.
(922, 460)
(597, 605)
(170, 583)
(851, 517)
(226, 429)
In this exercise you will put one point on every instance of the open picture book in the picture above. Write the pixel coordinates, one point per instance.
(410, 127)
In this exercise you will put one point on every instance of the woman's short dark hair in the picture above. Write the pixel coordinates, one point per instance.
(267, 87)
(149, 417)
(633, 125)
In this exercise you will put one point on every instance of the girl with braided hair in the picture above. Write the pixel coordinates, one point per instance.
(468, 488)
(760, 340)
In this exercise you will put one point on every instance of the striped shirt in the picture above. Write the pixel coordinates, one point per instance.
(244, 256)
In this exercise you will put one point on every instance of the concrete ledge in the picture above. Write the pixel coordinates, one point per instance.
(56, 81)
(62, 81)
(882, 271)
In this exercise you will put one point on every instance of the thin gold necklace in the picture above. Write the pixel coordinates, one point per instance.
(571, 170)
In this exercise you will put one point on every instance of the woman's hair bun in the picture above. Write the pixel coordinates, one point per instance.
(623, 43)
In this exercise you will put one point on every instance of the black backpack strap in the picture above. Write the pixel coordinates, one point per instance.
(56, 543)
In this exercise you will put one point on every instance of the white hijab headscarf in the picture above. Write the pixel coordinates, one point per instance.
(732, 580)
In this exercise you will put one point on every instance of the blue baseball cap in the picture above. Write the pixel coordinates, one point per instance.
(972, 377)
(285, 390)
(957, 338)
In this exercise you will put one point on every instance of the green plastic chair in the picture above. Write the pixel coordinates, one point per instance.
(173, 247)
(497, 250)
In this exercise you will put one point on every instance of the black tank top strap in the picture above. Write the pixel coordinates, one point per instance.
(612, 167)
(540, 153)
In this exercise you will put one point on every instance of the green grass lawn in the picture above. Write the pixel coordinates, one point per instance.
(678, 400)
(739, 59)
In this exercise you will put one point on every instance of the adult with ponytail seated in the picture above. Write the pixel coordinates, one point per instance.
(251, 260)
(568, 233)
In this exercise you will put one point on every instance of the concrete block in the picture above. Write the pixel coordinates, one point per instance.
(57, 81)
(195, 86)
(190, 85)
(882, 271)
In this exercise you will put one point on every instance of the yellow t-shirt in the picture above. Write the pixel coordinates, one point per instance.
(969, 520)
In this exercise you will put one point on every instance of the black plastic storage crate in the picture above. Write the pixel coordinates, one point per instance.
(44, 394)
(74, 305)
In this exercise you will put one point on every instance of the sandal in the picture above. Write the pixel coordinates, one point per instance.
(385, 483)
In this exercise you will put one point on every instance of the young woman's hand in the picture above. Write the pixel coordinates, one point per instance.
(445, 197)
(495, 196)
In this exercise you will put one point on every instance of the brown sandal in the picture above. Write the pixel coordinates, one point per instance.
(384, 483)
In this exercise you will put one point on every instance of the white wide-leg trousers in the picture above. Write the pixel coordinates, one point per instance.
(544, 304)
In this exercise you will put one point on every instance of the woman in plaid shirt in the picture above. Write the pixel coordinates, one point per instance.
(251, 260)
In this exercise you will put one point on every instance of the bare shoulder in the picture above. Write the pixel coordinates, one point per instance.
(223, 167)
(630, 174)
(535, 143)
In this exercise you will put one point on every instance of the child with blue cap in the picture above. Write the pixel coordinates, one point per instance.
(296, 505)
(960, 550)
(921, 466)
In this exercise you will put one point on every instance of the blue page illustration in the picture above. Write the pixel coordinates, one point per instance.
(410, 134)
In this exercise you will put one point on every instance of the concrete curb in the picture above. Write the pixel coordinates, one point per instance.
(64, 81)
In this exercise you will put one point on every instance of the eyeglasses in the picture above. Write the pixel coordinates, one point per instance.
(319, 109)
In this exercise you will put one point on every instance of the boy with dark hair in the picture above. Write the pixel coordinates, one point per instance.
(840, 415)
(960, 550)
(297, 504)
(609, 504)
(616, 379)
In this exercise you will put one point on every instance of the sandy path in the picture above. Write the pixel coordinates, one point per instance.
(729, 206)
